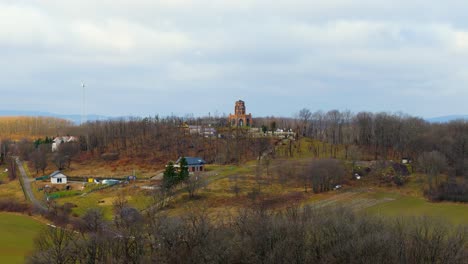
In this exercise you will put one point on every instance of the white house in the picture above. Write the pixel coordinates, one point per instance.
(58, 178)
(59, 140)
(202, 131)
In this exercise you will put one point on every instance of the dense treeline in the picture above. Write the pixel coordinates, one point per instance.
(17, 127)
(163, 139)
(389, 136)
(154, 140)
(394, 136)
(306, 235)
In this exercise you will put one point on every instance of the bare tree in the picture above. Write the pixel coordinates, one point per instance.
(12, 174)
(193, 183)
(25, 147)
(39, 159)
(433, 163)
(68, 151)
(55, 245)
(354, 154)
(325, 174)
(304, 116)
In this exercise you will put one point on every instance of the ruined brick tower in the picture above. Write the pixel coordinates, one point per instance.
(239, 118)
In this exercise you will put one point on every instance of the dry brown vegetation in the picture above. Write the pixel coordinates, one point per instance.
(258, 235)
(19, 127)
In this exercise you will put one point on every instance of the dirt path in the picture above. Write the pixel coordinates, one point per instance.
(354, 199)
(27, 186)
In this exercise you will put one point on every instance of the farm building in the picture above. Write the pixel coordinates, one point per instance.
(202, 131)
(406, 160)
(194, 164)
(58, 178)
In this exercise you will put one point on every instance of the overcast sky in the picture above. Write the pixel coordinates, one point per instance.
(181, 56)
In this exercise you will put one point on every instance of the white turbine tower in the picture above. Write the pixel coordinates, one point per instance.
(83, 110)
(84, 115)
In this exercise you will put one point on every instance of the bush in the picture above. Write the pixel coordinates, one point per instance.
(110, 156)
(448, 192)
(14, 206)
(62, 194)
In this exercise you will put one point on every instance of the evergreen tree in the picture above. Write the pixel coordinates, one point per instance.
(183, 173)
(169, 176)
(38, 142)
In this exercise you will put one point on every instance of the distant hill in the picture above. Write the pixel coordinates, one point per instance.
(445, 119)
(74, 118)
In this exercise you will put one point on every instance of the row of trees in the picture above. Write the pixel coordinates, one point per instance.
(162, 139)
(441, 179)
(306, 235)
(39, 153)
(385, 135)
(388, 136)
(437, 149)
(319, 175)
(14, 127)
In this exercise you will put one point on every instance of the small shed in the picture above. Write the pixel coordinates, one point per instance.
(406, 160)
(58, 178)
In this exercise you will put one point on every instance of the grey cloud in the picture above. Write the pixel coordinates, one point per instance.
(312, 53)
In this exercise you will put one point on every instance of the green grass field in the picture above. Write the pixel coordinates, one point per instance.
(455, 213)
(17, 233)
(135, 197)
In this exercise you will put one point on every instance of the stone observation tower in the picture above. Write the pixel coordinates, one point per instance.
(239, 118)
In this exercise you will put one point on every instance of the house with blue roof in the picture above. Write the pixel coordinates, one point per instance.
(194, 164)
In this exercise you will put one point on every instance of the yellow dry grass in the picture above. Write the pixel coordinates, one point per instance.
(10, 189)
(120, 168)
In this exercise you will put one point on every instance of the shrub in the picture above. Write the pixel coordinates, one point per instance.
(14, 206)
(110, 156)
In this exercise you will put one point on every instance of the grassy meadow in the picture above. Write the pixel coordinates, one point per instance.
(17, 233)
(404, 206)
(10, 189)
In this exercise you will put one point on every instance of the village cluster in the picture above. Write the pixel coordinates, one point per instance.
(59, 180)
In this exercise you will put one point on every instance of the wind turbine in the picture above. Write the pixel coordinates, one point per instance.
(83, 111)
(83, 116)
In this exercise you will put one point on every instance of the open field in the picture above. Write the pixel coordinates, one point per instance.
(219, 196)
(17, 236)
(105, 198)
(121, 168)
(363, 196)
(10, 189)
(456, 213)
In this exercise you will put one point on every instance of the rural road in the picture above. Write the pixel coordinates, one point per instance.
(27, 186)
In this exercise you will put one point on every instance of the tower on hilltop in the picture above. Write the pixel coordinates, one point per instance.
(240, 118)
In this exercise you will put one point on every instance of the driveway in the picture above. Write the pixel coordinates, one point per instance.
(27, 186)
